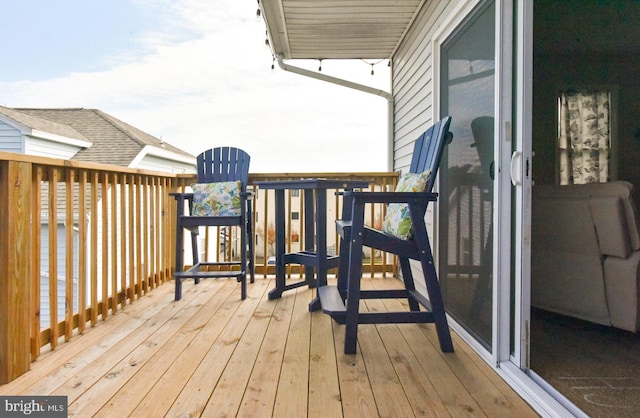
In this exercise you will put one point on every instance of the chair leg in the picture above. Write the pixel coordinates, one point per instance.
(179, 260)
(243, 260)
(437, 304)
(409, 284)
(194, 252)
(250, 253)
(353, 278)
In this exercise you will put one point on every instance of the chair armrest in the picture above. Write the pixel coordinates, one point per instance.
(181, 196)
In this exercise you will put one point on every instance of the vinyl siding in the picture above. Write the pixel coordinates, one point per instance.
(413, 88)
(412, 79)
(61, 274)
(150, 162)
(51, 149)
(10, 139)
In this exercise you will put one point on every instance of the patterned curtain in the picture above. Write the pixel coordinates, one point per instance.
(584, 137)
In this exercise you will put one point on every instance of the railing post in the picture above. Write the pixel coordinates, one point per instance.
(15, 266)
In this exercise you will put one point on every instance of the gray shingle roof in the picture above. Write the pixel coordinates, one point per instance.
(41, 124)
(114, 141)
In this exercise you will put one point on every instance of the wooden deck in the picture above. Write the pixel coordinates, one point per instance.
(211, 354)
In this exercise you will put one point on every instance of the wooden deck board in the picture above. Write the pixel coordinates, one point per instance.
(212, 354)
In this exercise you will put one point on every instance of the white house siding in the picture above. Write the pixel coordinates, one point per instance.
(412, 79)
(61, 273)
(413, 85)
(10, 139)
(51, 149)
(150, 162)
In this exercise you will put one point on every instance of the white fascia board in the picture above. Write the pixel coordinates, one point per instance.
(59, 138)
(158, 152)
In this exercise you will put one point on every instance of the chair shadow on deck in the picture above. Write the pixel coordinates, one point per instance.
(219, 198)
(405, 235)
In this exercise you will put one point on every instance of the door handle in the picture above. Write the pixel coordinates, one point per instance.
(515, 168)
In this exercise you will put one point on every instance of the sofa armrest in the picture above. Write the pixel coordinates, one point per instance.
(621, 278)
(611, 225)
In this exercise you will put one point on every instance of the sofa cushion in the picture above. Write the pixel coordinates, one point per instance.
(621, 189)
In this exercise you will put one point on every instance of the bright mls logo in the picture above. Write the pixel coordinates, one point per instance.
(33, 406)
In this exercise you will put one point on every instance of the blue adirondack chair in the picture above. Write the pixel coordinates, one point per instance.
(220, 198)
(342, 301)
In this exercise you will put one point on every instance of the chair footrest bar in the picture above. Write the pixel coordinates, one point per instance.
(331, 300)
(195, 271)
(410, 317)
(384, 294)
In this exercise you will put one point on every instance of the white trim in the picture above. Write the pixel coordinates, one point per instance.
(59, 138)
(523, 133)
(158, 152)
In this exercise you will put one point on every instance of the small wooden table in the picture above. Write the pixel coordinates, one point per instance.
(314, 255)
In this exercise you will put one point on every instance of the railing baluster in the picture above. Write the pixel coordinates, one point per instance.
(93, 239)
(104, 233)
(53, 256)
(36, 240)
(69, 251)
(113, 231)
(82, 251)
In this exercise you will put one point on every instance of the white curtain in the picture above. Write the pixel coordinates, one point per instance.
(584, 139)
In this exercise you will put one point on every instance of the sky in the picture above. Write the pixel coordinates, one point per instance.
(197, 74)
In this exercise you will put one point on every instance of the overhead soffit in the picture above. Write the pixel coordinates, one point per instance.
(337, 29)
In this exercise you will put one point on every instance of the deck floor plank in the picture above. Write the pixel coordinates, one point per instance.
(324, 387)
(261, 390)
(175, 362)
(195, 395)
(355, 388)
(419, 389)
(227, 396)
(212, 354)
(292, 395)
(49, 370)
(390, 396)
(89, 389)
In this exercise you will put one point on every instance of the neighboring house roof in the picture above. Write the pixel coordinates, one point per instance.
(339, 29)
(37, 126)
(113, 141)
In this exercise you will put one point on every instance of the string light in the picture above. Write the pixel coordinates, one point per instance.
(372, 64)
(320, 67)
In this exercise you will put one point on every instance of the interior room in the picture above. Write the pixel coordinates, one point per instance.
(584, 320)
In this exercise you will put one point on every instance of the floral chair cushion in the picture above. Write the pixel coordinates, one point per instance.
(397, 221)
(216, 199)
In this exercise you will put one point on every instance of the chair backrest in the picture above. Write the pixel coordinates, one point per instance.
(223, 164)
(428, 148)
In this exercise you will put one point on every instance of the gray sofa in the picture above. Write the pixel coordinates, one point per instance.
(586, 253)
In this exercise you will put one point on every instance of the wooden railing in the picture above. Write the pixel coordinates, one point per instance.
(79, 241)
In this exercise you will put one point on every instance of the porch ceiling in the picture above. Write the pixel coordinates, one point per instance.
(337, 29)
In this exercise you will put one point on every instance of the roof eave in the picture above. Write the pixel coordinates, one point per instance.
(374, 40)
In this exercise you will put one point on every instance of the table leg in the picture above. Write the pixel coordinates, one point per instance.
(310, 235)
(280, 245)
(321, 244)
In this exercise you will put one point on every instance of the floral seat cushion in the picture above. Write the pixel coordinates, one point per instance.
(397, 221)
(216, 199)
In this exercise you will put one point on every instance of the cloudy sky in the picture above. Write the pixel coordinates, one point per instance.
(197, 74)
